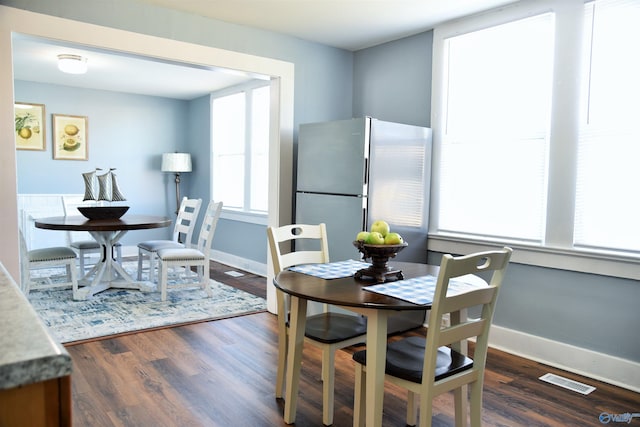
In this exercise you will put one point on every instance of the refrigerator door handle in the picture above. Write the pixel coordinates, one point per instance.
(366, 172)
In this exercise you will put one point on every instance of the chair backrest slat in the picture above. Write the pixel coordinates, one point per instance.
(208, 227)
(186, 220)
(468, 299)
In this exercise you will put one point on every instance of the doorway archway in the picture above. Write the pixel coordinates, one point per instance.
(38, 25)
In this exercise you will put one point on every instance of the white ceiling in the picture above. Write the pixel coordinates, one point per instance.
(35, 59)
(347, 24)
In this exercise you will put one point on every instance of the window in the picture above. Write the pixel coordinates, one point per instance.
(240, 147)
(535, 143)
(496, 126)
(607, 204)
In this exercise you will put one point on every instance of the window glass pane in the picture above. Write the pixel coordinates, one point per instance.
(494, 148)
(499, 80)
(228, 136)
(260, 149)
(607, 202)
(494, 190)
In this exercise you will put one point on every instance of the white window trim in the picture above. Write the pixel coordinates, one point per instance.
(242, 216)
(554, 253)
(250, 217)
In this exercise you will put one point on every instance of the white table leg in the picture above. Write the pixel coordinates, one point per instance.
(376, 360)
(294, 356)
(108, 273)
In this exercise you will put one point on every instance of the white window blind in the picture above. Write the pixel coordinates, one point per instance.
(240, 148)
(260, 149)
(496, 110)
(607, 207)
(228, 141)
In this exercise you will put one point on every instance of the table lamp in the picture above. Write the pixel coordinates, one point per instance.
(176, 163)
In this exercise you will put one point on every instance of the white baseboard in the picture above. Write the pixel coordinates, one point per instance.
(245, 264)
(599, 366)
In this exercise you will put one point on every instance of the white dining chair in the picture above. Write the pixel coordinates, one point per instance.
(188, 257)
(428, 367)
(57, 256)
(182, 236)
(328, 330)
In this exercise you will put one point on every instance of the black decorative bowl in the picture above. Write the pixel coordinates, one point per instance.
(380, 255)
(103, 212)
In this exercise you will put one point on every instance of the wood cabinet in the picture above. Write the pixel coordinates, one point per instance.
(42, 404)
(35, 370)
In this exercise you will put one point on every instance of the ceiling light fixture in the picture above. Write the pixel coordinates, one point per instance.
(72, 64)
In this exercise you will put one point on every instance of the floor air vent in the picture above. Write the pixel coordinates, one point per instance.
(234, 273)
(567, 383)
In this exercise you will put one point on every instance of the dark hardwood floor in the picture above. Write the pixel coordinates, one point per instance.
(221, 373)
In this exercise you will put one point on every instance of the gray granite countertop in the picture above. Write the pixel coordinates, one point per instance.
(28, 353)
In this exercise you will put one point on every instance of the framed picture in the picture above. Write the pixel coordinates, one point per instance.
(30, 126)
(70, 137)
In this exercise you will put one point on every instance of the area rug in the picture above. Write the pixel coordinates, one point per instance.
(118, 311)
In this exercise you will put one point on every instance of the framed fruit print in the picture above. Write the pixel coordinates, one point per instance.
(30, 126)
(70, 137)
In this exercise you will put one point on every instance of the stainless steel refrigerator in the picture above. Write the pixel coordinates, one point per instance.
(353, 172)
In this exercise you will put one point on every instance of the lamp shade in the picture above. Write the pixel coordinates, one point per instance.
(176, 162)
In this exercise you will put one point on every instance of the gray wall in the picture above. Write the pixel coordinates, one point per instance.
(392, 81)
(125, 131)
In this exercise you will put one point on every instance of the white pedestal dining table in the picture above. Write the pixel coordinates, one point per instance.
(107, 272)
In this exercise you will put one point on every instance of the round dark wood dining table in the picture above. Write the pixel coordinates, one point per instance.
(349, 293)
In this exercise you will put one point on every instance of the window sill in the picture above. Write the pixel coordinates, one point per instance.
(584, 261)
(251, 218)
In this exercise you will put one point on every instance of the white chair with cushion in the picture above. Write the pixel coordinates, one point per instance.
(59, 256)
(191, 257)
(439, 364)
(80, 241)
(182, 236)
(329, 331)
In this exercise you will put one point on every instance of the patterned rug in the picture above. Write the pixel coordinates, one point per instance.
(118, 311)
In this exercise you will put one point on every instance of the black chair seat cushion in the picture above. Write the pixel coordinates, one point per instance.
(405, 359)
(331, 327)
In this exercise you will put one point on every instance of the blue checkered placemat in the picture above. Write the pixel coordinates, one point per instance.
(419, 290)
(331, 270)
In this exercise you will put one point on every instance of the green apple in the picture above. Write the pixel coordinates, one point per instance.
(362, 236)
(393, 239)
(381, 227)
(375, 238)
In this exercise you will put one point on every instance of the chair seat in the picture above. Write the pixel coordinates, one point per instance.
(156, 245)
(88, 244)
(180, 254)
(405, 359)
(51, 254)
(331, 328)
